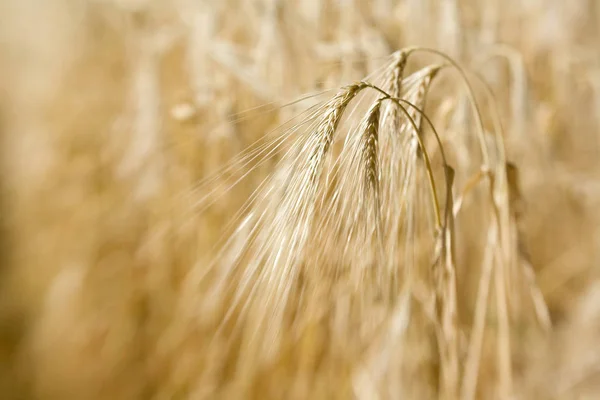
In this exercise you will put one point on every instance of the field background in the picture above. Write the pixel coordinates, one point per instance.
(113, 113)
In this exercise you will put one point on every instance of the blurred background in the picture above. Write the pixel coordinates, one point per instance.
(113, 111)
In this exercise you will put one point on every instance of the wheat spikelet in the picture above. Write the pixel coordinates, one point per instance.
(280, 225)
(371, 160)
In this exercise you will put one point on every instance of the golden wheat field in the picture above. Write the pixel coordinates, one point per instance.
(299, 199)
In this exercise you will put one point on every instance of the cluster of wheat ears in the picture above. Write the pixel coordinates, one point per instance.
(180, 220)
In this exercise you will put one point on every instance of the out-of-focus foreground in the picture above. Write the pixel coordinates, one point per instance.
(176, 225)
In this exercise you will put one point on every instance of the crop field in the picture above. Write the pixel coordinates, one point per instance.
(299, 199)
